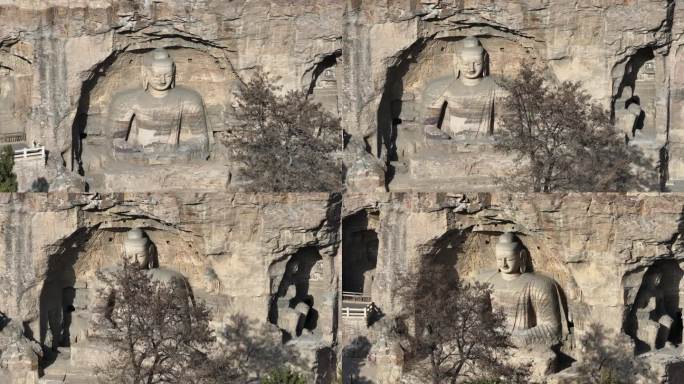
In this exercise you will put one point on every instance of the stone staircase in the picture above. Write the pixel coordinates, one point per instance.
(61, 371)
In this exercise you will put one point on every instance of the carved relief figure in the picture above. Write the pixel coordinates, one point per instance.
(628, 112)
(651, 321)
(292, 309)
(465, 107)
(161, 122)
(292, 304)
(530, 301)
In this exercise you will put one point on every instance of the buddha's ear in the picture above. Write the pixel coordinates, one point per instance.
(173, 75)
(457, 66)
(144, 74)
(485, 64)
(524, 261)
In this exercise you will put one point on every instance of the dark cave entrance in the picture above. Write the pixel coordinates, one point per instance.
(359, 253)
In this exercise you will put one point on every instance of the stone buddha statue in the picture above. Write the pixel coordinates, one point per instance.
(142, 253)
(651, 323)
(530, 301)
(465, 107)
(289, 307)
(140, 250)
(161, 122)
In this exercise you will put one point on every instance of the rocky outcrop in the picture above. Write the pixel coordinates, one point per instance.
(370, 62)
(66, 59)
(600, 248)
(233, 250)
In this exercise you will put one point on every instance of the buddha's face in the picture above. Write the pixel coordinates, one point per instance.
(160, 76)
(137, 254)
(471, 65)
(508, 261)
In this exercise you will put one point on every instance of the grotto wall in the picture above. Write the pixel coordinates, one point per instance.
(232, 249)
(397, 51)
(373, 63)
(62, 62)
(610, 255)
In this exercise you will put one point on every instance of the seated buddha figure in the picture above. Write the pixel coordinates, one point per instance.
(465, 107)
(161, 122)
(141, 253)
(529, 300)
(532, 305)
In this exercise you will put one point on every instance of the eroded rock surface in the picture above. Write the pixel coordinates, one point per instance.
(375, 64)
(616, 260)
(230, 250)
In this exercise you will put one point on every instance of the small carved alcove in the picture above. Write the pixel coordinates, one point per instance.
(653, 315)
(299, 284)
(359, 252)
(325, 87)
(634, 106)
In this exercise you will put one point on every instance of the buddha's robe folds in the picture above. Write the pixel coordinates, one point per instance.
(470, 110)
(531, 303)
(173, 123)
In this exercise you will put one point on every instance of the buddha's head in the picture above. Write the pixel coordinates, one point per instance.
(158, 71)
(511, 256)
(472, 59)
(136, 246)
(652, 279)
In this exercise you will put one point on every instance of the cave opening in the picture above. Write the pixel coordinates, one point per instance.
(359, 254)
(634, 109)
(654, 319)
(292, 306)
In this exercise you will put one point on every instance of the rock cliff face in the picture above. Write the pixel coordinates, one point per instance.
(234, 251)
(64, 60)
(395, 51)
(371, 62)
(599, 248)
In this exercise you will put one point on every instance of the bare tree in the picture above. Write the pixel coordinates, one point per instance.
(457, 338)
(249, 352)
(157, 334)
(608, 358)
(564, 141)
(285, 142)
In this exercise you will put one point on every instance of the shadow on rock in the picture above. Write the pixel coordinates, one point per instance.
(609, 358)
(250, 350)
(354, 358)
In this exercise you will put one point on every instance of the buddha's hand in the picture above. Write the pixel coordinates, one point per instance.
(159, 148)
(193, 150)
(121, 145)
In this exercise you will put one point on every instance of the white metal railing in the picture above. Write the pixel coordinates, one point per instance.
(355, 297)
(354, 312)
(29, 153)
(12, 137)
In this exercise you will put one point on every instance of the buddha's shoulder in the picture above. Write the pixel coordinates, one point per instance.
(164, 274)
(487, 276)
(541, 281)
(189, 96)
(128, 96)
(437, 87)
